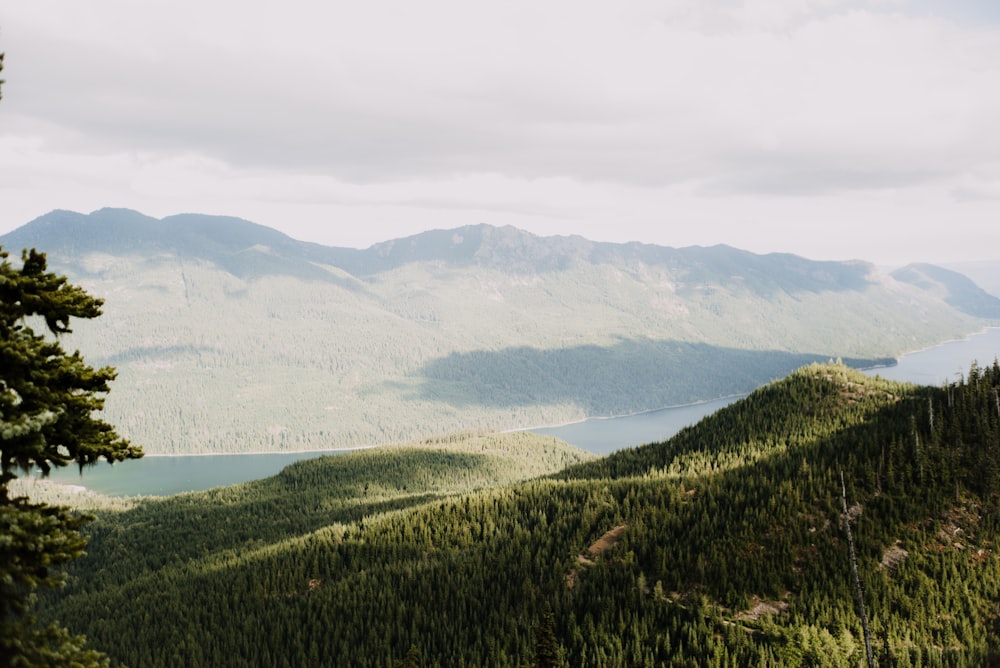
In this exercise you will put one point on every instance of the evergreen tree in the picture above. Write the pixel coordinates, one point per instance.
(547, 650)
(47, 403)
(412, 659)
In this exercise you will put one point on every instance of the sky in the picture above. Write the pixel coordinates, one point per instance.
(833, 129)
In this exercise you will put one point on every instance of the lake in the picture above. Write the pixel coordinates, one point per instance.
(946, 362)
(163, 476)
(933, 366)
(160, 476)
(605, 435)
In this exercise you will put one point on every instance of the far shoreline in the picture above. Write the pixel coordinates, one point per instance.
(318, 451)
(598, 418)
(568, 423)
(944, 343)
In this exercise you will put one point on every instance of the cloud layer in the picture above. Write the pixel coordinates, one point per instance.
(675, 122)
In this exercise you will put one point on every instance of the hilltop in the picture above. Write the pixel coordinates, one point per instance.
(723, 546)
(232, 337)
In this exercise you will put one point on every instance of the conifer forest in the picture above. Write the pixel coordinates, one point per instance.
(724, 546)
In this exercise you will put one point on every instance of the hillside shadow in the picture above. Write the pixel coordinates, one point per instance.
(631, 375)
(156, 354)
(304, 497)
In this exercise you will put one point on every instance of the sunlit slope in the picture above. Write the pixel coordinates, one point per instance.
(723, 546)
(813, 404)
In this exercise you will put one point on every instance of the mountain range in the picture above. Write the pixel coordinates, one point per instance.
(233, 337)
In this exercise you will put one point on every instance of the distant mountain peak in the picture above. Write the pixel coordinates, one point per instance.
(236, 245)
(233, 244)
(955, 289)
(249, 251)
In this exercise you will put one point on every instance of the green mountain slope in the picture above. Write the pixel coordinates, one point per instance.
(232, 337)
(724, 546)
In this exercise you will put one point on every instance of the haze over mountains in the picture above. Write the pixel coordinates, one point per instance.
(230, 336)
(953, 287)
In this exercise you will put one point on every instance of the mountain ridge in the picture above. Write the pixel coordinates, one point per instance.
(223, 239)
(229, 336)
(219, 238)
(955, 288)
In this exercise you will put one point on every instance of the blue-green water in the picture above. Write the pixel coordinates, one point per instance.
(934, 366)
(163, 476)
(170, 475)
(605, 435)
(946, 362)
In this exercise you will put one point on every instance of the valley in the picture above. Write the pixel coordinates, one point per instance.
(159, 476)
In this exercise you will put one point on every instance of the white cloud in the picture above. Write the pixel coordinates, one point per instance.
(601, 118)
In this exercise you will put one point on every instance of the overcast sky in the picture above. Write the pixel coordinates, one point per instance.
(834, 129)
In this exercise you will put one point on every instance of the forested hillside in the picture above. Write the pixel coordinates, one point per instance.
(232, 337)
(725, 546)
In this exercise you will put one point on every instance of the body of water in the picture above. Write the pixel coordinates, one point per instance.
(946, 362)
(605, 435)
(161, 476)
(942, 363)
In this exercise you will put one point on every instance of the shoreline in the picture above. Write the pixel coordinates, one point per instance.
(319, 451)
(597, 418)
(568, 423)
(895, 363)
(982, 331)
(91, 487)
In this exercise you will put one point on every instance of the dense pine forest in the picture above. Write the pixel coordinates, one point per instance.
(725, 546)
